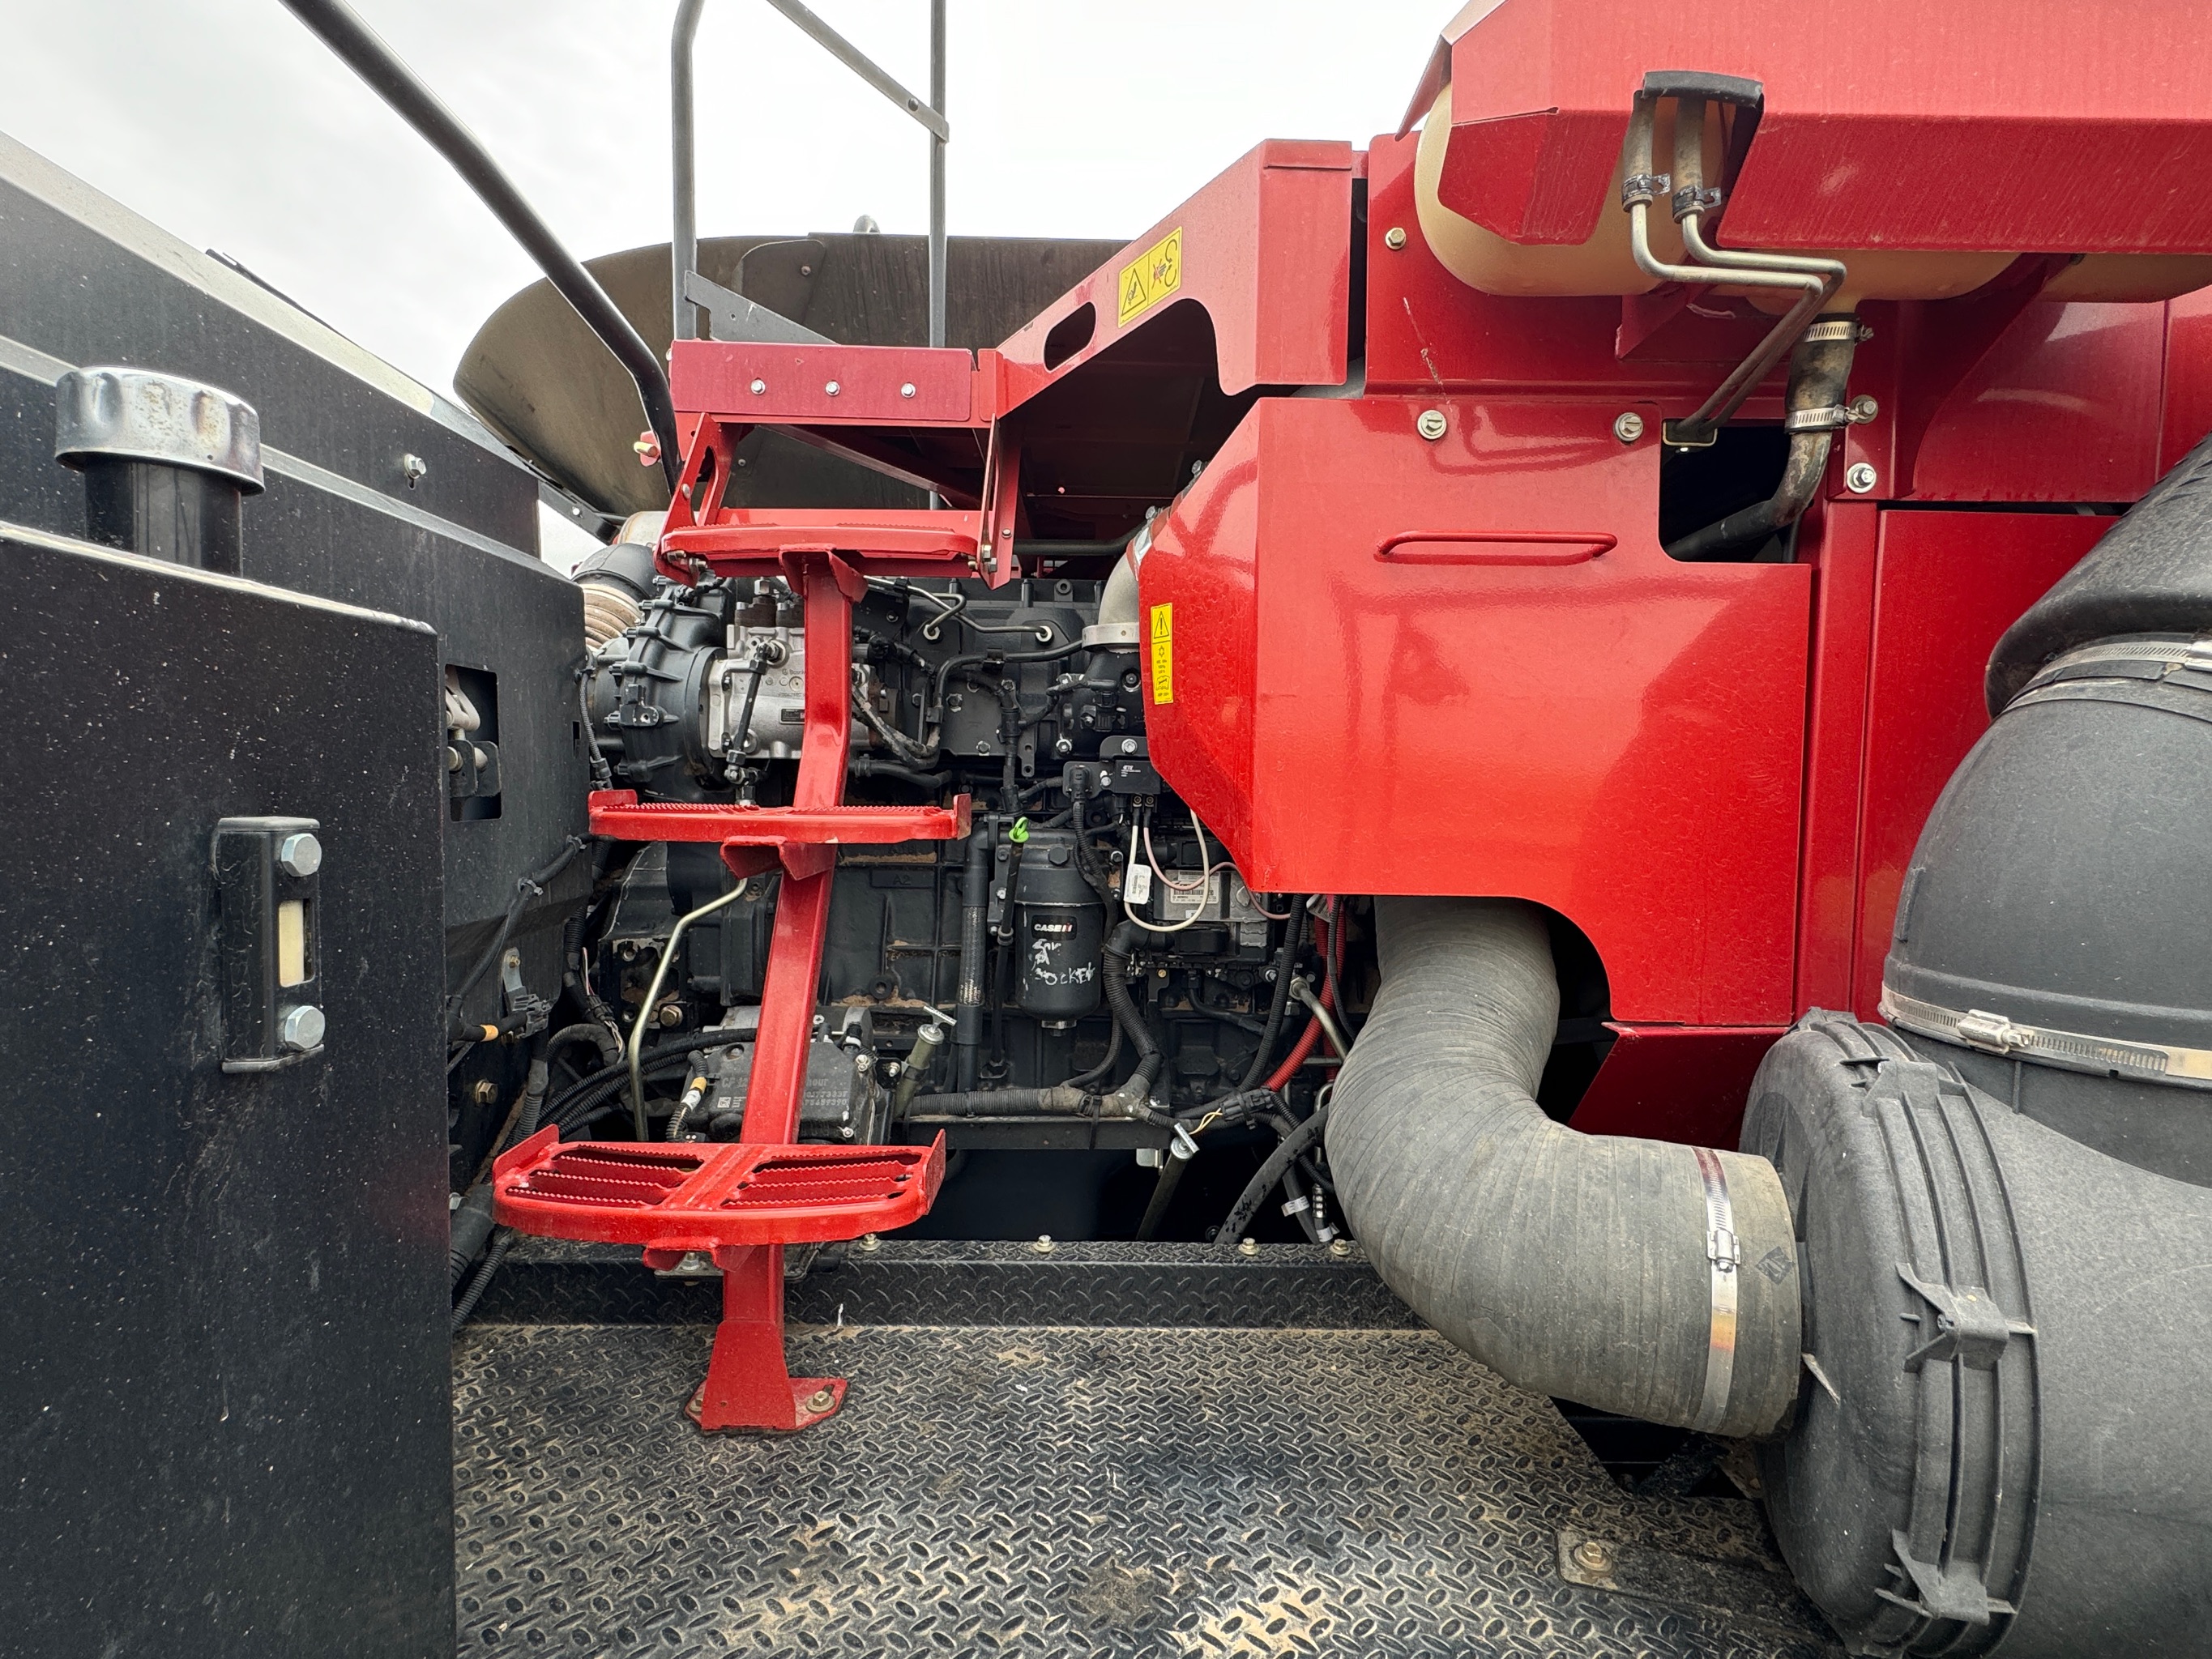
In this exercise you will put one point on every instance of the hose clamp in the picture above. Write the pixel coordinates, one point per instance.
(1723, 1255)
(1831, 419)
(1830, 331)
(1642, 189)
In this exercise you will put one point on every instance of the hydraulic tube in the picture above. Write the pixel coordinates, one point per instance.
(1637, 1276)
(968, 1004)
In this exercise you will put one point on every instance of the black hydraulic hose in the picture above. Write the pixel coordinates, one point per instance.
(1642, 1277)
(1820, 367)
(952, 665)
(357, 45)
(525, 889)
(968, 1002)
(1286, 959)
(1266, 1178)
(1120, 945)
(469, 1297)
(866, 766)
(1061, 1100)
(1104, 1068)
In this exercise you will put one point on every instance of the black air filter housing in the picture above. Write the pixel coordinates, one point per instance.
(2057, 898)
(2002, 1435)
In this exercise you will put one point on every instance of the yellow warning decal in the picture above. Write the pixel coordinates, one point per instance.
(1151, 277)
(1163, 653)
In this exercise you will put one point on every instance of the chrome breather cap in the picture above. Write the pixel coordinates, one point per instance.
(135, 414)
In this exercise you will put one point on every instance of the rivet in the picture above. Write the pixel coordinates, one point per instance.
(1859, 478)
(1628, 426)
(1394, 238)
(907, 390)
(1431, 424)
(830, 390)
(760, 388)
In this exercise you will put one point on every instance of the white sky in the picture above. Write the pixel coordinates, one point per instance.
(226, 123)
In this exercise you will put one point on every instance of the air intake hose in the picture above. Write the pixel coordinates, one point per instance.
(1578, 1266)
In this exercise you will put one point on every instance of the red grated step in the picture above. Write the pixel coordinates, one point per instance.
(706, 1198)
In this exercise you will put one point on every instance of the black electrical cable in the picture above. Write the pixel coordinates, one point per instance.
(1266, 1178)
(1286, 957)
(950, 665)
(525, 889)
(359, 48)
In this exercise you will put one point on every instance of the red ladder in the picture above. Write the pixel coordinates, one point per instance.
(745, 1201)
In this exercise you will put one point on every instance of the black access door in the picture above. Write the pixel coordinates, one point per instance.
(223, 1358)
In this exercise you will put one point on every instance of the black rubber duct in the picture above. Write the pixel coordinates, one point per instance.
(1574, 1265)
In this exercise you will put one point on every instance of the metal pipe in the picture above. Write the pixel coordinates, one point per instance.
(358, 47)
(938, 137)
(1816, 279)
(682, 166)
(652, 998)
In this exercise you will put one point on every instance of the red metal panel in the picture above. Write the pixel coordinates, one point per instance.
(1949, 585)
(824, 385)
(1842, 548)
(2064, 407)
(1619, 737)
(1265, 248)
(1682, 1083)
(2187, 416)
(618, 813)
(1997, 124)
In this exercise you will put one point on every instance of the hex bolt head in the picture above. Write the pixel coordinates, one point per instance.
(821, 1400)
(301, 1027)
(1864, 409)
(484, 1092)
(1044, 1246)
(1591, 1556)
(870, 1242)
(1859, 478)
(300, 855)
(1431, 424)
(829, 390)
(906, 389)
(1247, 1247)
(1394, 238)
(759, 388)
(1340, 1248)
(414, 469)
(1628, 426)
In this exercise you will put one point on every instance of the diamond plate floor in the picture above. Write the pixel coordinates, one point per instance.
(1064, 1492)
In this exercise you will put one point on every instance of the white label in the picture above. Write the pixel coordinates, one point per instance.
(1137, 882)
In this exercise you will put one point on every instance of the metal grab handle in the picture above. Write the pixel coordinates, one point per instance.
(685, 283)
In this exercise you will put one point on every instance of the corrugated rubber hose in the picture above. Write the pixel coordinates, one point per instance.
(1578, 1266)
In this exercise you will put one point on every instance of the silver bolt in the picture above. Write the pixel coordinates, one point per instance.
(1628, 426)
(485, 1092)
(301, 1028)
(1340, 1248)
(906, 389)
(1864, 409)
(414, 469)
(1394, 238)
(1866, 331)
(1591, 1556)
(830, 390)
(1044, 1246)
(1859, 478)
(1431, 424)
(870, 1242)
(760, 388)
(1247, 1247)
(820, 1401)
(300, 855)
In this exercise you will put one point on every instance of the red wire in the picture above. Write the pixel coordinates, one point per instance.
(1328, 938)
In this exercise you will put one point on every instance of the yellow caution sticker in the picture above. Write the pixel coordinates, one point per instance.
(1151, 276)
(1163, 653)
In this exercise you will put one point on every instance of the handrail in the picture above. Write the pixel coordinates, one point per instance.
(358, 47)
(689, 290)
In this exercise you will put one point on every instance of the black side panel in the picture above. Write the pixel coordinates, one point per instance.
(84, 280)
(223, 1360)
